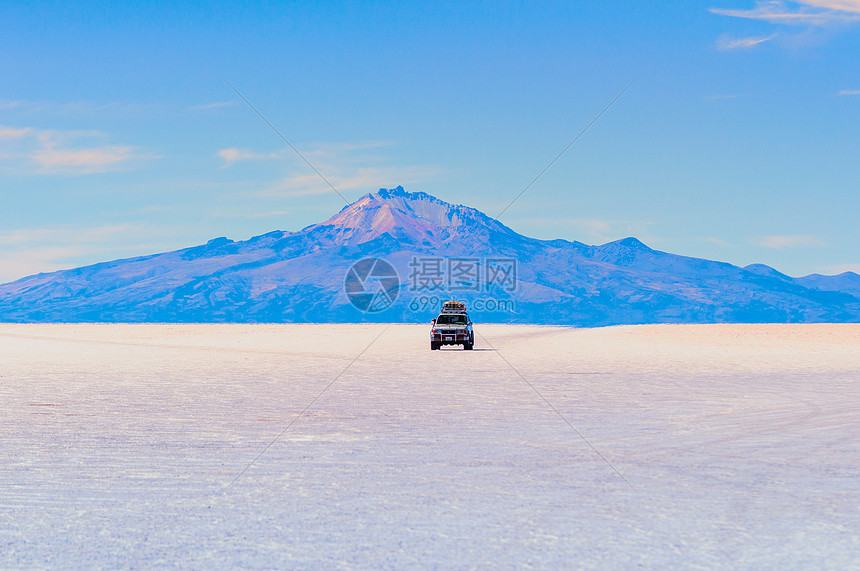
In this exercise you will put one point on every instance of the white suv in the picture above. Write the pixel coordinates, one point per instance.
(452, 327)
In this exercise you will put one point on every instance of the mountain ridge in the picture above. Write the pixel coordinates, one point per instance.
(283, 276)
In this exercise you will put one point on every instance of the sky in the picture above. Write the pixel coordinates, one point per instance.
(737, 139)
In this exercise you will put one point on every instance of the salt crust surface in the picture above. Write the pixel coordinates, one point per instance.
(119, 444)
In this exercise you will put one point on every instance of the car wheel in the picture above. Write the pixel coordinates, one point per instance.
(433, 346)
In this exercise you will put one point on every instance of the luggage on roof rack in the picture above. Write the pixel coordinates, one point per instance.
(453, 307)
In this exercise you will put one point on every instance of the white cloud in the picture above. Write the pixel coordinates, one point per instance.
(28, 150)
(214, 105)
(793, 241)
(323, 153)
(844, 5)
(340, 147)
(299, 185)
(84, 235)
(800, 12)
(267, 214)
(849, 92)
(79, 108)
(347, 178)
(10, 133)
(96, 159)
(347, 166)
(594, 226)
(727, 43)
(14, 237)
(233, 155)
(11, 104)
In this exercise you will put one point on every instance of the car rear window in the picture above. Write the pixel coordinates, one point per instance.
(448, 319)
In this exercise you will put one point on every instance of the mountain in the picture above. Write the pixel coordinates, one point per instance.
(847, 282)
(431, 251)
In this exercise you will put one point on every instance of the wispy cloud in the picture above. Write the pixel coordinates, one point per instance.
(14, 104)
(267, 214)
(800, 12)
(792, 241)
(91, 160)
(347, 178)
(27, 150)
(29, 251)
(79, 108)
(10, 133)
(331, 148)
(844, 5)
(594, 230)
(849, 92)
(233, 155)
(347, 166)
(727, 43)
(214, 105)
(81, 234)
(321, 152)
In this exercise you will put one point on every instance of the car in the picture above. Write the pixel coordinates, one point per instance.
(452, 327)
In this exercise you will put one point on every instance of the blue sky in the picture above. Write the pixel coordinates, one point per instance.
(738, 140)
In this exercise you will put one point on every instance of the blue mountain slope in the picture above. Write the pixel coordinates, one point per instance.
(847, 282)
(299, 276)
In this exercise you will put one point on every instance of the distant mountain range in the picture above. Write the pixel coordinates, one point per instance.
(438, 251)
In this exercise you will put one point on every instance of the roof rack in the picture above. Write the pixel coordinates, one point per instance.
(453, 307)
